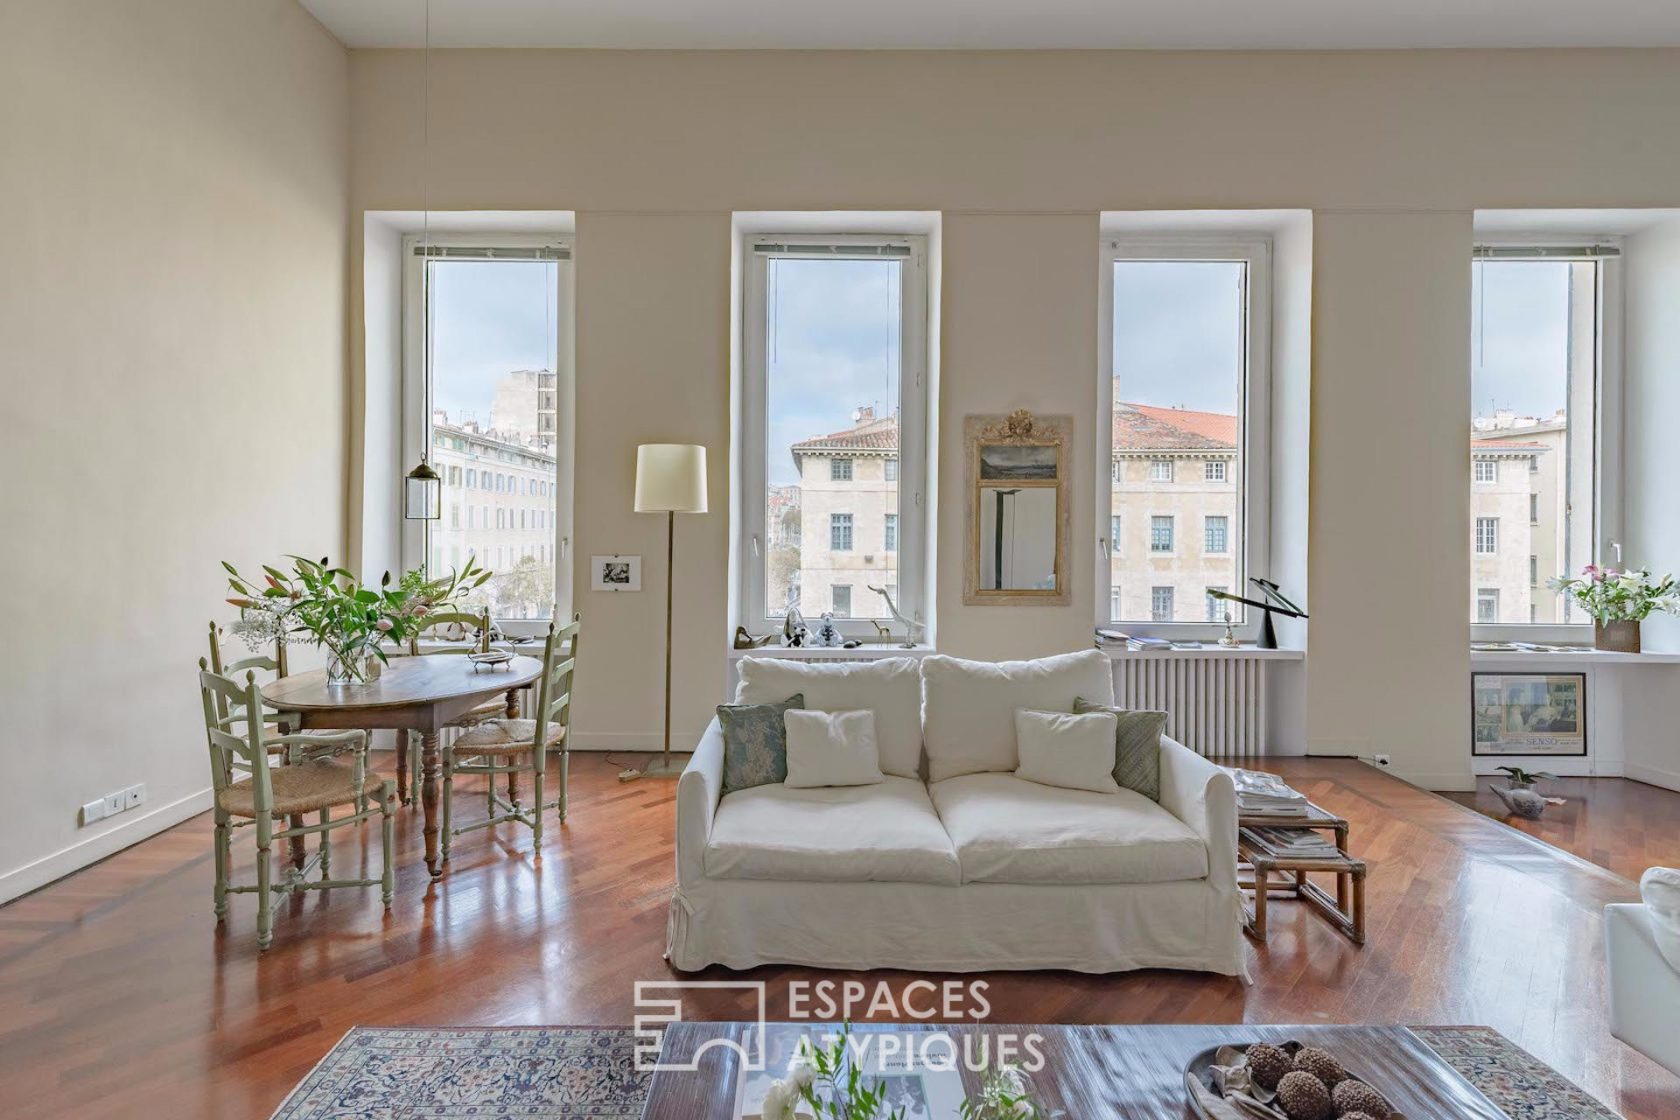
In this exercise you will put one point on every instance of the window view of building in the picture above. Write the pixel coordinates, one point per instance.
(493, 427)
(1534, 389)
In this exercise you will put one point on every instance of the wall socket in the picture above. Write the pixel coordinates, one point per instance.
(113, 803)
(1384, 761)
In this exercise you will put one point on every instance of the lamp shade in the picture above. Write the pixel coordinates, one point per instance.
(670, 478)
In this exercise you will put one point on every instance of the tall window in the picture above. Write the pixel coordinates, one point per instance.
(1216, 607)
(489, 321)
(1185, 340)
(1543, 343)
(833, 425)
(1160, 534)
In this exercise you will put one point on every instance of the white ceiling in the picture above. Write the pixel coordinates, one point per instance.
(1004, 24)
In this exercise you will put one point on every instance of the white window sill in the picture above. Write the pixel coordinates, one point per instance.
(1210, 649)
(867, 651)
(1563, 658)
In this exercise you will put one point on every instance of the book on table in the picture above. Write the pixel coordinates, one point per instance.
(1260, 794)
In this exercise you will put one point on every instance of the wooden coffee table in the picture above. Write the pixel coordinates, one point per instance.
(1134, 1072)
(1346, 911)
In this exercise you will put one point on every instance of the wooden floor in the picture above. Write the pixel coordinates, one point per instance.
(1622, 825)
(119, 997)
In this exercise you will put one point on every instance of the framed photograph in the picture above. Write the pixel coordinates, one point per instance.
(1528, 714)
(615, 573)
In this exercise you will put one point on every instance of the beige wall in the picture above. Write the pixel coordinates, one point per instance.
(172, 340)
(1021, 152)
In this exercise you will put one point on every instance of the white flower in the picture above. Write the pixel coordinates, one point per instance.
(801, 1071)
(779, 1101)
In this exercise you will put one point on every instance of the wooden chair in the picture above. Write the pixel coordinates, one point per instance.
(312, 781)
(408, 755)
(519, 746)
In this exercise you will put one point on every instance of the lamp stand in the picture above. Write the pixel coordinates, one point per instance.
(664, 768)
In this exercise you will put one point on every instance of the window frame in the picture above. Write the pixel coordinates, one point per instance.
(416, 411)
(911, 575)
(1606, 427)
(1253, 507)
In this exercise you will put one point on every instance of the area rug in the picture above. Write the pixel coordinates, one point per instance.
(575, 1073)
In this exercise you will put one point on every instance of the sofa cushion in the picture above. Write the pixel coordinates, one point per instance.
(1007, 830)
(891, 687)
(1073, 752)
(1137, 746)
(832, 749)
(755, 742)
(1660, 888)
(969, 725)
(851, 834)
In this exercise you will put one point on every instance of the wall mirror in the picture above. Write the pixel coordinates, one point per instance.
(1017, 509)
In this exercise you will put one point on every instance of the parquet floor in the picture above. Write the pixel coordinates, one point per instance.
(1622, 825)
(120, 998)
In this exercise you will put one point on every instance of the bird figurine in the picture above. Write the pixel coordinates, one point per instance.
(1523, 802)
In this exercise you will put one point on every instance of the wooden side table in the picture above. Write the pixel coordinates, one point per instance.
(1346, 911)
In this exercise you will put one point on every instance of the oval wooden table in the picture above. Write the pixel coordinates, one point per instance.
(421, 694)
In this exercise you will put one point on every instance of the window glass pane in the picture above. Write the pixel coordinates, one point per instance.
(1533, 384)
(832, 357)
(493, 426)
(1179, 367)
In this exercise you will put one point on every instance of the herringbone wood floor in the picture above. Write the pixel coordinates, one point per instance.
(119, 997)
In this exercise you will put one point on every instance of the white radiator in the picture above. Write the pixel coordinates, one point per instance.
(1215, 705)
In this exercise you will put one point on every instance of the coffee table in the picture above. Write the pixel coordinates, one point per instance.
(1132, 1072)
(1346, 912)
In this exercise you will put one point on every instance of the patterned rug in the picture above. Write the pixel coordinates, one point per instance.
(566, 1073)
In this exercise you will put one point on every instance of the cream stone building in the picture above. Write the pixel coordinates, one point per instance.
(846, 512)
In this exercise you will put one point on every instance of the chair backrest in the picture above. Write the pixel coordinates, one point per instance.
(554, 687)
(479, 622)
(231, 753)
(261, 663)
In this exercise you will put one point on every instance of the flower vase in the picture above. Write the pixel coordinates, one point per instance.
(357, 665)
(1617, 636)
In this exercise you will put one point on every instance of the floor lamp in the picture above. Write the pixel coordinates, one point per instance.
(670, 479)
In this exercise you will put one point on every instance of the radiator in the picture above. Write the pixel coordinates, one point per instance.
(1215, 705)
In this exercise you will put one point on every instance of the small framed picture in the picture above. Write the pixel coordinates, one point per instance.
(1528, 714)
(615, 573)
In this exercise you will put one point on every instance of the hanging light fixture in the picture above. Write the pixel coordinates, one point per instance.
(422, 488)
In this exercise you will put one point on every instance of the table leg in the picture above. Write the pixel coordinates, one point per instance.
(299, 854)
(513, 777)
(1359, 906)
(1342, 878)
(403, 746)
(1261, 889)
(429, 797)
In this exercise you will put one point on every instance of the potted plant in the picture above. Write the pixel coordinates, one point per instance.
(331, 608)
(1618, 602)
(1518, 778)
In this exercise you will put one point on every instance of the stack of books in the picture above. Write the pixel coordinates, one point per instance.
(1265, 795)
(1298, 843)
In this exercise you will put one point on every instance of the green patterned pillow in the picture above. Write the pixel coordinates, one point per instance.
(1137, 746)
(755, 743)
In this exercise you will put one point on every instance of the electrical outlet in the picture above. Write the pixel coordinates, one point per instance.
(133, 796)
(1384, 761)
(114, 803)
(93, 811)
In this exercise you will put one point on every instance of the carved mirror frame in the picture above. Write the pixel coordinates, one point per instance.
(1018, 429)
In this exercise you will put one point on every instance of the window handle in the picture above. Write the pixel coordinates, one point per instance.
(756, 551)
(1102, 546)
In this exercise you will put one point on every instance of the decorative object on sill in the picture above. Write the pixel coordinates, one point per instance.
(744, 640)
(615, 573)
(1019, 515)
(1522, 801)
(795, 634)
(828, 637)
(1229, 640)
(912, 628)
(1534, 714)
(331, 608)
(1618, 601)
(883, 634)
(670, 479)
(1275, 603)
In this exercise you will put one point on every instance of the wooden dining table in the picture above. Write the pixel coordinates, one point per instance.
(419, 694)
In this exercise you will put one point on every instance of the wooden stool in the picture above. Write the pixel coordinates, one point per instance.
(1346, 911)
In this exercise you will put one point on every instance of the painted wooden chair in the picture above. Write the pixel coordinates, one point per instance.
(519, 746)
(443, 625)
(312, 782)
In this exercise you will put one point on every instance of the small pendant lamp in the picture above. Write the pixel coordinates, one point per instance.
(422, 488)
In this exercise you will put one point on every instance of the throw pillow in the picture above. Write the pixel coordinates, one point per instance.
(1074, 752)
(969, 706)
(1137, 746)
(755, 743)
(832, 749)
(1660, 888)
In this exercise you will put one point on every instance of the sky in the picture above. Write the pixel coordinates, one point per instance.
(833, 342)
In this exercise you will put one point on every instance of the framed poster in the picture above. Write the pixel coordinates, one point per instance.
(615, 573)
(1528, 714)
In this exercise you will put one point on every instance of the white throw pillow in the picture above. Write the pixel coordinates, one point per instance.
(891, 687)
(970, 705)
(1073, 752)
(833, 749)
(1660, 888)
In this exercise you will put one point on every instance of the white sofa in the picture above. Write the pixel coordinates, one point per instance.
(972, 870)
(1642, 947)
